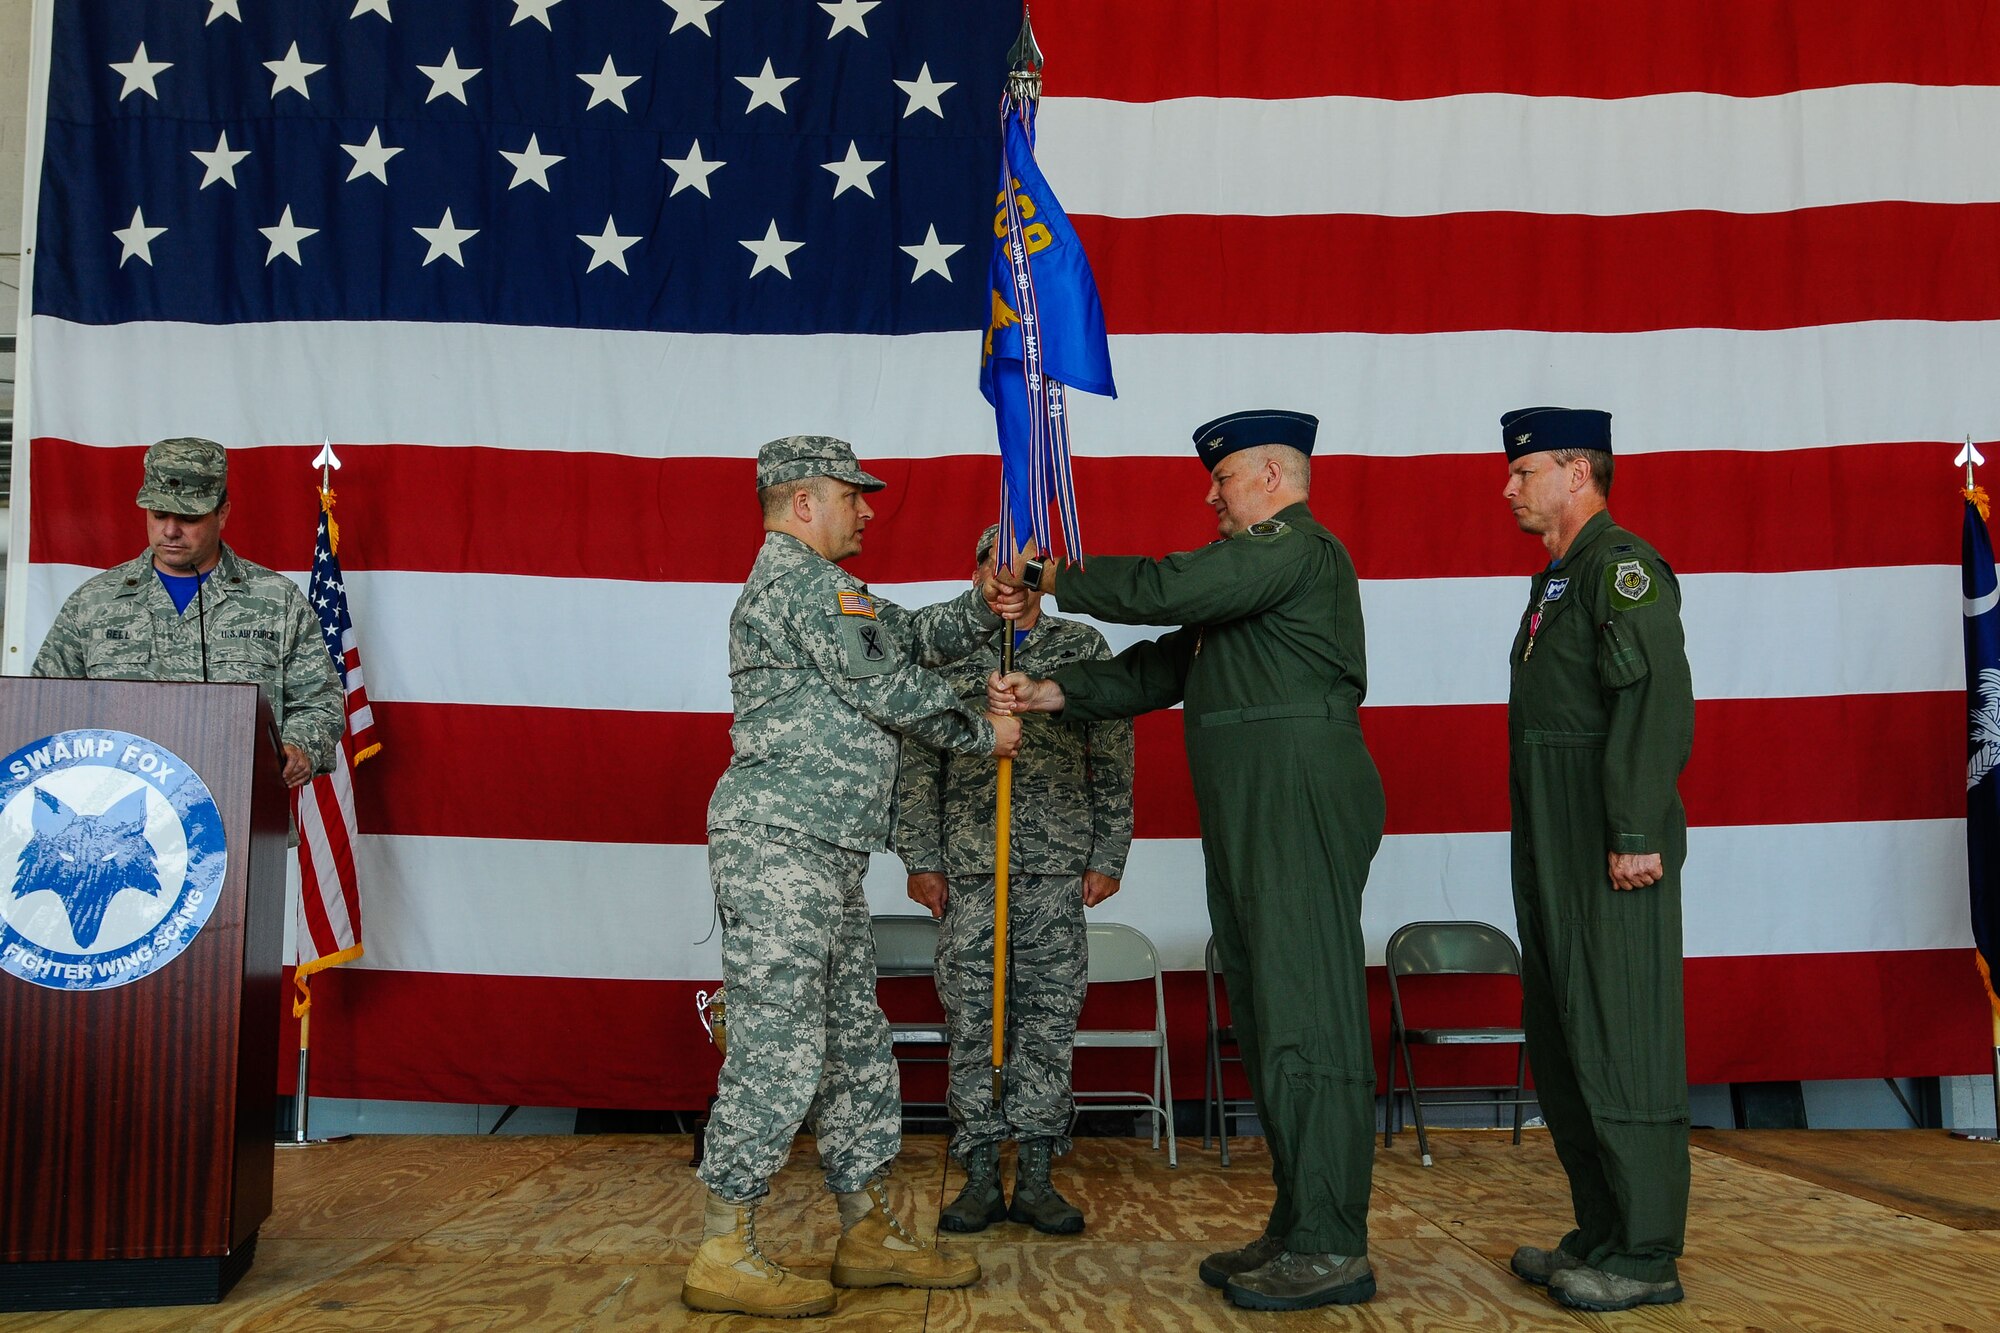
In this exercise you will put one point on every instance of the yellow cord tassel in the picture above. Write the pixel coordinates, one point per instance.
(1977, 494)
(332, 528)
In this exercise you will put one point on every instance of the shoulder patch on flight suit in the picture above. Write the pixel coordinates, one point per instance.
(1631, 583)
(1268, 528)
(866, 647)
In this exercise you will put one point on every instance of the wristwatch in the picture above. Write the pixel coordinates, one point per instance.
(1031, 572)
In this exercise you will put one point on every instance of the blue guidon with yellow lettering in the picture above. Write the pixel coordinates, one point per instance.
(112, 857)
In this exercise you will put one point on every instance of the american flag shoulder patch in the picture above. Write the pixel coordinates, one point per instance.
(857, 604)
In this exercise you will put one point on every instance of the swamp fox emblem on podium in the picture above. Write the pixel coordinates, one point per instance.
(111, 858)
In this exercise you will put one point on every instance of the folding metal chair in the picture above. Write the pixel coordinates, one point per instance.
(906, 946)
(1216, 1108)
(1449, 948)
(1118, 953)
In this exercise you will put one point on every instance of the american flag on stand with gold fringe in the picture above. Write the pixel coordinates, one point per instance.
(329, 890)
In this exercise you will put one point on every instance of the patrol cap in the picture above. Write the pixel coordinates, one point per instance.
(185, 475)
(797, 457)
(1531, 430)
(987, 541)
(1247, 430)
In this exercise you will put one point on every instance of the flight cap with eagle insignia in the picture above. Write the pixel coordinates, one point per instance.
(1531, 430)
(1223, 436)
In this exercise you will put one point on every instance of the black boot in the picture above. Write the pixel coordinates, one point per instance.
(1035, 1199)
(980, 1204)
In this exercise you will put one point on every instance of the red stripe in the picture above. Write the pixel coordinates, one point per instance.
(1137, 51)
(609, 516)
(1464, 271)
(340, 843)
(1868, 757)
(335, 876)
(577, 1041)
(313, 876)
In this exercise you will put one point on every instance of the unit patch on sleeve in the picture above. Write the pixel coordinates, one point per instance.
(1631, 584)
(1269, 527)
(857, 604)
(867, 649)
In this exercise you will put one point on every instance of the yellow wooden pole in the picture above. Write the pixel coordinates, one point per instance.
(1003, 830)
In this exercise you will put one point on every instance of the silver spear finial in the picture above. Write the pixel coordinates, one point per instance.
(1024, 63)
(1967, 457)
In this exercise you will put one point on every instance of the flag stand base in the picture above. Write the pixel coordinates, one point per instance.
(301, 1137)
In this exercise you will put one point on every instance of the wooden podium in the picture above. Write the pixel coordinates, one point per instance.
(136, 1117)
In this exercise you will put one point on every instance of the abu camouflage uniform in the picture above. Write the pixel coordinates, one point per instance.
(122, 625)
(1072, 804)
(823, 673)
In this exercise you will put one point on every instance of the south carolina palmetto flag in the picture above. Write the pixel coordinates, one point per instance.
(1982, 783)
(329, 928)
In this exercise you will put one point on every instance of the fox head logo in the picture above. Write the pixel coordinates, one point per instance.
(87, 860)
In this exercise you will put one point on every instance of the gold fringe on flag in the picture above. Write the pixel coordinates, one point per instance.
(1977, 494)
(333, 528)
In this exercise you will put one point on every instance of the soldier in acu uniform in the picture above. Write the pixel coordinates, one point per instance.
(188, 608)
(1270, 668)
(1071, 830)
(1600, 720)
(824, 674)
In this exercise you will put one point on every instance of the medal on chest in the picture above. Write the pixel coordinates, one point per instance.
(1551, 592)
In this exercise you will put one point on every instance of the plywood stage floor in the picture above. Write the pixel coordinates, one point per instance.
(1805, 1230)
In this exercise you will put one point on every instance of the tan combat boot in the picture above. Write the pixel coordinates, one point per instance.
(732, 1275)
(877, 1250)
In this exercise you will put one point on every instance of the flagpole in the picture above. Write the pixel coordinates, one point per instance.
(301, 1098)
(1024, 84)
(1003, 822)
(1968, 456)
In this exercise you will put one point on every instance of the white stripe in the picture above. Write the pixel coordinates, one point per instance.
(333, 890)
(339, 790)
(1980, 605)
(632, 911)
(664, 647)
(325, 887)
(680, 395)
(1487, 152)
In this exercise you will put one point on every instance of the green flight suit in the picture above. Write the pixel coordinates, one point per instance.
(1270, 667)
(1600, 719)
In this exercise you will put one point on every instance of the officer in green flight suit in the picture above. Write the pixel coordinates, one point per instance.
(1600, 719)
(1269, 664)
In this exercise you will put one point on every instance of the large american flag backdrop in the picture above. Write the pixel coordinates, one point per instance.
(547, 273)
